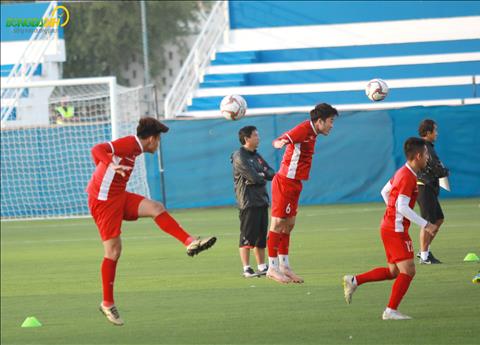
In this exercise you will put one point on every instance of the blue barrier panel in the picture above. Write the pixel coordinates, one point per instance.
(351, 165)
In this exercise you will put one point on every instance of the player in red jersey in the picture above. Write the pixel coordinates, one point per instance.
(287, 185)
(400, 194)
(110, 203)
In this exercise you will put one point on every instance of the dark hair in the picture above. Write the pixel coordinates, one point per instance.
(323, 111)
(426, 126)
(245, 132)
(412, 146)
(148, 126)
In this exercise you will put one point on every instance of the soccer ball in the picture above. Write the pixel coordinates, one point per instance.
(233, 107)
(376, 90)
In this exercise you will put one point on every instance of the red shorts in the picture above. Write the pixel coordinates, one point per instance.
(398, 246)
(109, 214)
(285, 195)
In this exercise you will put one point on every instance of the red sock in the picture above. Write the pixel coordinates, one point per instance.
(399, 289)
(273, 241)
(284, 244)
(170, 226)
(375, 275)
(109, 268)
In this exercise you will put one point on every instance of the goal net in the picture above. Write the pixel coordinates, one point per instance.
(46, 142)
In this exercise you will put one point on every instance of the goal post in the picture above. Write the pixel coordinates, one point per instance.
(46, 141)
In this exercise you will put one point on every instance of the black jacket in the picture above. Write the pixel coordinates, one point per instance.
(434, 169)
(250, 174)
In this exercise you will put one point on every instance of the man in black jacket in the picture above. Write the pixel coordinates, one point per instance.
(429, 189)
(250, 175)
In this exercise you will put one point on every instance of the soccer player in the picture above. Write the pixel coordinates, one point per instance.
(250, 175)
(429, 189)
(399, 194)
(287, 185)
(110, 203)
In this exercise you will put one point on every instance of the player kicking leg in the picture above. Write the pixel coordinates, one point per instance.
(156, 210)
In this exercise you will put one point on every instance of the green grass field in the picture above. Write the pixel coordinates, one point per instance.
(50, 270)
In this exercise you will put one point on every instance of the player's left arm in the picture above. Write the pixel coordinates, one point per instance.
(405, 210)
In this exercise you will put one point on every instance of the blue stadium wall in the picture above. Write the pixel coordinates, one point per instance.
(350, 165)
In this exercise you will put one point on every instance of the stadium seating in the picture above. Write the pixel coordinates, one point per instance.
(286, 56)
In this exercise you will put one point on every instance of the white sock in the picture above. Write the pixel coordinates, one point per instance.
(273, 262)
(245, 268)
(388, 310)
(283, 260)
(262, 267)
(424, 255)
(354, 281)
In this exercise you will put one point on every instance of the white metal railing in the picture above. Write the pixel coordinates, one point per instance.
(28, 62)
(191, 74)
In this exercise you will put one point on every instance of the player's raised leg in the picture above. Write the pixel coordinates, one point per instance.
(156, 210)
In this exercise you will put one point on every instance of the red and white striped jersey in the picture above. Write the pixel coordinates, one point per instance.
(297, 159)
(404, 182)
(105, 183)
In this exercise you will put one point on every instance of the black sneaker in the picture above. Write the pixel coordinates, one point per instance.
(433, 259)
(424, 262)
(200, 244)
(262, 272)
(249, 273)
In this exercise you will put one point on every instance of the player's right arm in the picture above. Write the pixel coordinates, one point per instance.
(102, 153)
(386, 191)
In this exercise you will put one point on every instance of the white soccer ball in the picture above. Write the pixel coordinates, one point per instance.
(233, 107)
(376, 90)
